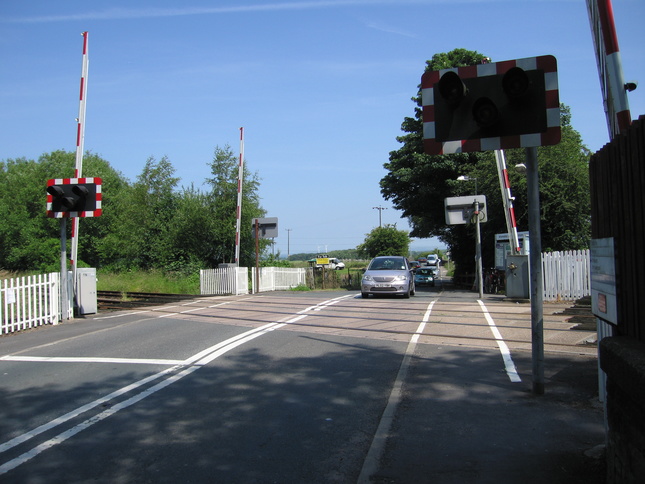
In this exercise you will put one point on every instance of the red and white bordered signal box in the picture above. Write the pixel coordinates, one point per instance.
(74, 197)
(495, 106)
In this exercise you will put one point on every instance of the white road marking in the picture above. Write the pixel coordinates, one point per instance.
(511, 371)
(373, 457)
(189, 365)
(89, 359)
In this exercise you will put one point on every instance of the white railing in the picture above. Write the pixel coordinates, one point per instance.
(279, 278)
(29, 301)
(567, 275)
(234, 280)
(224, 281)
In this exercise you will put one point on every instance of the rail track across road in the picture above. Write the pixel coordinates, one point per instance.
(115, 300)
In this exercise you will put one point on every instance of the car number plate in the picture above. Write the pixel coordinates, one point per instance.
(382, 285)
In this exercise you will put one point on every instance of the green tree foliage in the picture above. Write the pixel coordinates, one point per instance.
(223, 196)
(417, 184)
(144, 212)
(386, 240)
(30, 240)
(148, 224)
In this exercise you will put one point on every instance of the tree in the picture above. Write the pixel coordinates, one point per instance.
(30, 240)
(223, 200)
(139, 238)
(417, 184)
(386, 240)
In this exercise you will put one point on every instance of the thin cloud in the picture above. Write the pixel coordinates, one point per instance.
(389, 30)
(139, 13)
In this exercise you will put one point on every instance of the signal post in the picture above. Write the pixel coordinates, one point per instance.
(71, 198)
(498, 106)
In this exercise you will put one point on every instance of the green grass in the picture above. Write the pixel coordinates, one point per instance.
(148, 281)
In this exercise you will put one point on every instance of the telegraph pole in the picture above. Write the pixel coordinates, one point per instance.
(380, 210)
(288, 242)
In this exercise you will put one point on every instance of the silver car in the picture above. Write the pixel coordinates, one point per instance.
(388, 275)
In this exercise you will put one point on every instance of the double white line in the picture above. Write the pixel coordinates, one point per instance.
(171, 375)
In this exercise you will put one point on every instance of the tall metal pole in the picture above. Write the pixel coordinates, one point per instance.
(257, 255)
(64, 298)
(478, 254)
(289, 242)
(535, 267)
(238, 214)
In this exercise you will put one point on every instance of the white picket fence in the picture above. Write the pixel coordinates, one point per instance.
(567, 275)
(29, 301)
(224, 281)
(235, 280)
(279, 278)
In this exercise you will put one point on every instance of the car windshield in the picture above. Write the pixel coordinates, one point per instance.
(387, 264)
(425, 272)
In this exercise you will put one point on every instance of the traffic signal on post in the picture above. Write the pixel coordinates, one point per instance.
(502, 105)
(74, 197)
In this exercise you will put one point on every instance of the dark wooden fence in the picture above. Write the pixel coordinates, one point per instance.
(617, 174)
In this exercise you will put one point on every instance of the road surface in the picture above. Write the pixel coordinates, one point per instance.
(297, 387)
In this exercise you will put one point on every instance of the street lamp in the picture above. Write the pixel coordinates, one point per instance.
(468, 178)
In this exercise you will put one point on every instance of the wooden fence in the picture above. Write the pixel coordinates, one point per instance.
(224, 281)
(567, 275)
(30, 301)
(235, 280)
(617, 176)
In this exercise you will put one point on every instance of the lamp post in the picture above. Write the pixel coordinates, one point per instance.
(468, 178)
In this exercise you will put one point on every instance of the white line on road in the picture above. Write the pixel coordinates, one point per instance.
(90, 359)
(189, 365)
(371, 462)
(511, 371)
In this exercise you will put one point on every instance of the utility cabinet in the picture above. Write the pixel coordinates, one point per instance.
(86, 290)
(517, 276)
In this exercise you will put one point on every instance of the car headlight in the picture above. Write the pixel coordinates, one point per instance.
(367, 277)
(401, 278)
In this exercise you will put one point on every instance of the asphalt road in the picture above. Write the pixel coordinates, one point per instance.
(295, 387)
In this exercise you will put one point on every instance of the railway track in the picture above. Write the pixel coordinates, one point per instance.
(116, 300)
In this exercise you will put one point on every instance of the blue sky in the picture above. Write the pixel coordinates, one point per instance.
(320, 86)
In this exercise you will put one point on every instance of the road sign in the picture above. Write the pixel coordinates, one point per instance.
(501, 105)
(267, 227)
(603, 280)
(461, 210)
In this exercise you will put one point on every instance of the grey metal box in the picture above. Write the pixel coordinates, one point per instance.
(86, 290)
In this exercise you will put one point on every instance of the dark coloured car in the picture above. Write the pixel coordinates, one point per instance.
(424, 277)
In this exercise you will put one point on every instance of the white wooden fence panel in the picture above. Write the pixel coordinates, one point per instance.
(567, 275)
(279, 278)
(224, 281)
(29, 301)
